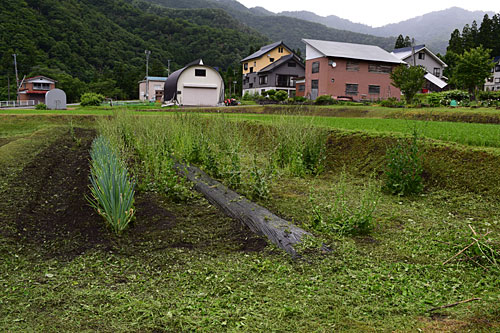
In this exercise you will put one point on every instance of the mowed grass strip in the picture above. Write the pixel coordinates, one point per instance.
(481, 135)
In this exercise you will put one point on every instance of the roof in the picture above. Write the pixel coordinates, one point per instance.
(39, 77)
(282, 61)
(405, 52)
(435, 80)
(155, 78)
(264, 49)
(352, 51)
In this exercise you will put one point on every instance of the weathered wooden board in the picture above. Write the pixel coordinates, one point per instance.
(260, 220)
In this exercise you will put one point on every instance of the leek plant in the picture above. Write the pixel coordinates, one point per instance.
(112, 189)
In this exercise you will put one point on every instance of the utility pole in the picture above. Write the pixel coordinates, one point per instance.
(147, 52)
(17, 77)
(413, 51)
(8, 87)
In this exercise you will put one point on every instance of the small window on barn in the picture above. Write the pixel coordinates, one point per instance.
(251, 69)
(314, 84)
(245, 66)
(497, 80)
(302, 87)
(200, 72)
(437, 71)
(280, 50)
(271, 59)
(263, 79)
(351, 89)
(372, 89)
(315, 67)
(421, 55)
(352, 66)
(292, 64)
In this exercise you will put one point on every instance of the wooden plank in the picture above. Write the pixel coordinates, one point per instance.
(260, 220)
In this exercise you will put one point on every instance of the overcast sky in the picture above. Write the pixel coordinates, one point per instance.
(374, 13)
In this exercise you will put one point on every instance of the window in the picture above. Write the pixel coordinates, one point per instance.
(384, 69)
(292, 64)
(263, 79)
(372, 89)
(280, 50)
(315, 67)
(200, 72)
(255, 64)
(245, 66)
(250, 85)
(314, 84)
(437, 71)
(421, 55)
(271, 59)
(41, 86)
(302, 87)
(490, 79)
(251, 69)
(497, 80)
(497, 68)
(351, 89)
(352, 66)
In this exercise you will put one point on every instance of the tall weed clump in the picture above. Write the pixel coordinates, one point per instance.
(112, 189)
(299, 147)
(403, 175)
(346, 213)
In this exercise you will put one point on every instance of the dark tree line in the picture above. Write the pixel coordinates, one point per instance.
(402, 42)
(91, 45)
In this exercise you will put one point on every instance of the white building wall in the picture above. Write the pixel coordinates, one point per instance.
(312, 53)
(188, 78)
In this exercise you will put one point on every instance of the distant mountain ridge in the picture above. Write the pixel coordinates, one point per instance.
(290, 30)
(433, 29)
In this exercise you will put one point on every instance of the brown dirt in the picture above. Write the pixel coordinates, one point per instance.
(44, 210)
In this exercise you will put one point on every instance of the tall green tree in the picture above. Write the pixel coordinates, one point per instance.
(410, 79)
(472, 69)
(455, 44)
(400, 42)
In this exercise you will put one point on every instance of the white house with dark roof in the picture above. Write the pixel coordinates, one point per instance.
(422, 56)
(493, 83)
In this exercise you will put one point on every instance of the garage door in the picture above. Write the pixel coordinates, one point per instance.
(200, 96)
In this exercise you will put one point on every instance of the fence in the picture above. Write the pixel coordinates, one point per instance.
(6, 104)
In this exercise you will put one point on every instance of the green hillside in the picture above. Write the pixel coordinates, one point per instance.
(99, 44)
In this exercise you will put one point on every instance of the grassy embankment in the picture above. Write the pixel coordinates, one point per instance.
(386, 280)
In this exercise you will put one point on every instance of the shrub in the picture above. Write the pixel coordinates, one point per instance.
(41, 106)
(299, 99)
(111, 187)
(343, 216)
(281, 95)
(391, 102)
(404, 167)
(270, 93)
(325, 100)
(91, 99)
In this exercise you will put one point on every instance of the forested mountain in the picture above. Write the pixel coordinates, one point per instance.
(432, 29)
(288, 29)
(99, 44)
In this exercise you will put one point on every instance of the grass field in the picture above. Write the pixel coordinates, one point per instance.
(183, 266)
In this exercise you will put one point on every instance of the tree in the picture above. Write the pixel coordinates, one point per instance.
(472, 69)
(402, 42)
(455, 44)
(410, 79)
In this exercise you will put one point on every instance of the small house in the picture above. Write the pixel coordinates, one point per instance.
(196, 84)
(421, 56)
(152, 86)
(355, 71)
(35, 88)
(493, 83)
(273, 67)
